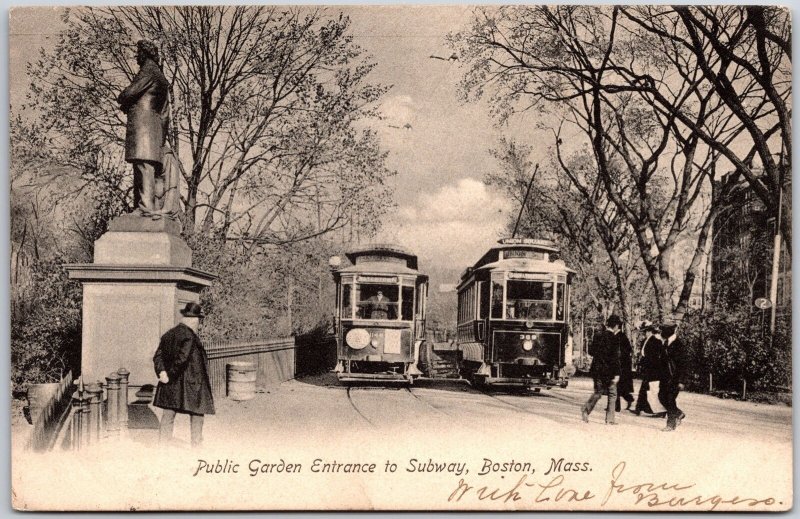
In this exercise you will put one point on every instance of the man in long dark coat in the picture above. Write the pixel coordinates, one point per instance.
(145, 102)
(183, 384)
(674, 376)
(605, 369)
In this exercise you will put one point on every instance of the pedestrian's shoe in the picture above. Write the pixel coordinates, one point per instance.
(634, 411)
(667, 429)
(629, 405)
(681, 417)
(612, 423)
(659, 415)
(585, 415)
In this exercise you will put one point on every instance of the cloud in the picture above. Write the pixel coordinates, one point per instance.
(399, 110)
(452, 226)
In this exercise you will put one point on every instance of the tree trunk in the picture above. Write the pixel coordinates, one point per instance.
(691, 273)
(622, 292)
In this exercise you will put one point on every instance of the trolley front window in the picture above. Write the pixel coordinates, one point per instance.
(377, 301)
(529, 300)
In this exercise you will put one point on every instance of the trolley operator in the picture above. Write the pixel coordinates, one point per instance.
(379, 306)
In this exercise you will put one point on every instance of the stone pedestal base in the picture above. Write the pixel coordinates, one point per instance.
(142, 248)
(132, 294)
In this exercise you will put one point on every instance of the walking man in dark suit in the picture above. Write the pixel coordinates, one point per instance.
(673, 379)
(183, 384)
(605, 369)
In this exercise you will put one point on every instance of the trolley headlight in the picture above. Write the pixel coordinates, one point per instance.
(357, 338)
(527, 345)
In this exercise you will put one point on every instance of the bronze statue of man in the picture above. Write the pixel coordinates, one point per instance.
(146, 103)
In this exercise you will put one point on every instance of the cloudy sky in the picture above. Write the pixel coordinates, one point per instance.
(438, 145)
(446, 213)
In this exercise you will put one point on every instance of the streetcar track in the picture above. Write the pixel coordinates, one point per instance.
(509, 404)
(562, 398)
(356, 409)
(428, 404)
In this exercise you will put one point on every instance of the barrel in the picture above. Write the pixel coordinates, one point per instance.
(241, 380)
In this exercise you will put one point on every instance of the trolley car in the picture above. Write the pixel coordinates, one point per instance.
(513, 316)
(380, 315)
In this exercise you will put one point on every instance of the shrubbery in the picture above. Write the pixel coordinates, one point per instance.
(733, 346)
(250, 299)
(46, 329)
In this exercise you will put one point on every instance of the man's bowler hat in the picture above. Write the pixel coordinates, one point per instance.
(649, 326)
(193, 310)
(668, 329)
(614, 320)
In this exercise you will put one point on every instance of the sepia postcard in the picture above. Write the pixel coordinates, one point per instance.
(409, 258)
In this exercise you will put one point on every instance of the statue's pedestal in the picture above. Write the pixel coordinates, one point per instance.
(132, 293)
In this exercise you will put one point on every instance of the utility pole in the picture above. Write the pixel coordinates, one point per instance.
(525, 201)
(776, 253)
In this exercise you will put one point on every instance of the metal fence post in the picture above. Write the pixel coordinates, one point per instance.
(123, 399)
(85, 431)
(112, 404)
(103, 411)
(95, 394)
(76, 421)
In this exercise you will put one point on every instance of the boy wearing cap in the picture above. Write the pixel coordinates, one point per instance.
(183, 383)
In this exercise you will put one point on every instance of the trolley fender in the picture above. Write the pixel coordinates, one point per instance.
(417, 347)
(472, 351)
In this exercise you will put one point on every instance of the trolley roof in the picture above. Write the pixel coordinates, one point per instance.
(366, 252)
(548, 263)
(381, 258)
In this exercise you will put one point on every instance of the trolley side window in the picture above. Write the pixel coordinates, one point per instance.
(421, 295)
(484, 299)
(347, 301)
(529, 300)
(497, 298)
(560, 299)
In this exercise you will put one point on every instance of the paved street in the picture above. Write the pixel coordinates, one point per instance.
(320, 404)
(724, 447)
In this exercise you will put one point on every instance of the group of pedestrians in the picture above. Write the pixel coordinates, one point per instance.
(662, 361)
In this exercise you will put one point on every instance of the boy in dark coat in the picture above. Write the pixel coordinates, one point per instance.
(673, 377)
(605, 368)
(183, 384)
(625, 385)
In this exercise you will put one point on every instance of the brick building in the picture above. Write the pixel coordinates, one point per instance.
(742, 248)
